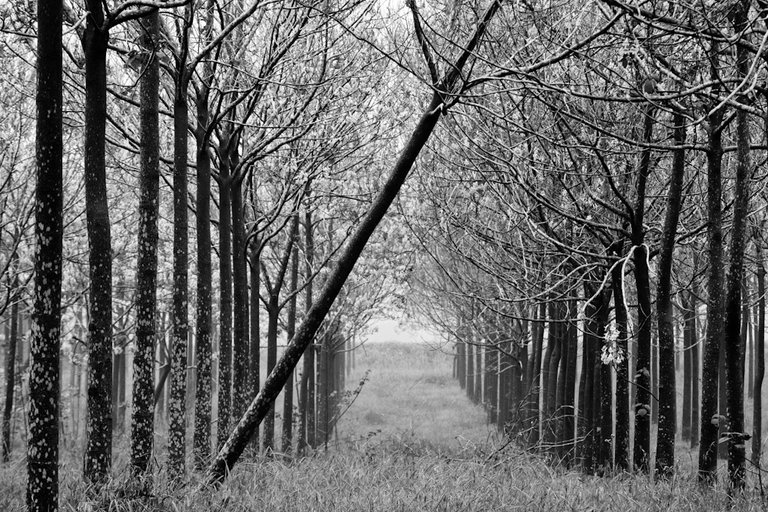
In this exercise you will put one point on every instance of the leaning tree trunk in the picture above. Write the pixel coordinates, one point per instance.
(348, 256)
(98, 451)
(177, 427)
(142, 424)
(708, 444)
(642, 447)
(665, 441)
(259, 408)
(43, 440)
(734, 342)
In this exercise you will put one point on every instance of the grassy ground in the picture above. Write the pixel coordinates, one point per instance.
(410, 442)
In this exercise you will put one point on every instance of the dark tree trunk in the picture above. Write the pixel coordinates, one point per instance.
(695, 384)
(273, 316)
(734, 354)
(177, 401)
(605, 442)
(757, 396)
(665, 442)
(710, 368)
(588, 392)
(204, 306)
(290, 331)
(11, 337)
(143, 421)
(642, 447)
(621, 455)
(307, 385)
(225, 297)
(254, 357)
(569, 402)
(688, 378)
(549, 387)
(534, 412)
(491, 382)
(241, 392)
(98, 451)
(43, 440)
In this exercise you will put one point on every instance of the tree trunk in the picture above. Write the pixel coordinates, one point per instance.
(642, 447)
(143, 424)
(225, 296)
(695, 384)
(708, 444)
(290, 331)
(241, 392)
(665, 441)
(43, 438)
(621, 455)
(569, 402)
(307, 385)
(688, 378)
(273, 316)
(11, 337)
(255, 337)
(204, 306)
(757, 396)
(534, 412)
(177, 401)
(98, 451)
(734, 354)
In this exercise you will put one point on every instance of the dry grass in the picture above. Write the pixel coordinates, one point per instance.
(410, 442)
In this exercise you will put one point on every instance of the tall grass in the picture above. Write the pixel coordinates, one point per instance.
(411, 441)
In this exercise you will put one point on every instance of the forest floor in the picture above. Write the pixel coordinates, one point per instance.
(411, 441)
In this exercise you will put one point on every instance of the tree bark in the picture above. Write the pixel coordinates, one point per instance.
(11, 336)
(98, 451)
(642, 446)
(225, 294)
(708, 444)
(734, 342)
(665, 441)
(43, 440)
(757, 422)
(621, 455)
(177, 427)
(143, 424)
(204, 306)
(241, 392)
(290, 331)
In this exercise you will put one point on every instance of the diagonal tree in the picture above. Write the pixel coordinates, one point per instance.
(43, 443)
(446, 89)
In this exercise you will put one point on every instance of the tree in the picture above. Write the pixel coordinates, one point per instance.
(665, 444)
(43, 442)
(142, 425)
